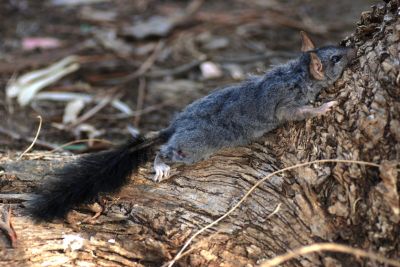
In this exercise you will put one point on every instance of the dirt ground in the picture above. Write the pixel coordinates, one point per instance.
(154, 56)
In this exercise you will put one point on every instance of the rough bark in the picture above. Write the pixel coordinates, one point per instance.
(343, 203)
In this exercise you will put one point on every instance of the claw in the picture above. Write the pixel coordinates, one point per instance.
(327, 107)
(162, 172)
(331, 103)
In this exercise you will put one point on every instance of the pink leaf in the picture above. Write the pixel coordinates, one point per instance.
(31, 43)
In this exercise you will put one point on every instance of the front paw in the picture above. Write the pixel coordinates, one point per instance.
(325, 108)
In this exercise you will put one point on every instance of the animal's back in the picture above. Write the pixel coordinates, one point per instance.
(228, 117)
(240, 113)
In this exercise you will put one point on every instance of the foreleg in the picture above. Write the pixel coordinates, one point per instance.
(295, 113)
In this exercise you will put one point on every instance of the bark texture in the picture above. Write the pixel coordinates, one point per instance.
(146, 223)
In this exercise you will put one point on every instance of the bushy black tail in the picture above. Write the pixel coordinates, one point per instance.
(81, 181)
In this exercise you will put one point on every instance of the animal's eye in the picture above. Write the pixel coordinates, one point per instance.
(336, 59)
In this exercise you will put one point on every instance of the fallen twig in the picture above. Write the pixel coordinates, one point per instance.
(276, 210)
(8, 228)
(97, 209)
(327, 247)
(34, 140)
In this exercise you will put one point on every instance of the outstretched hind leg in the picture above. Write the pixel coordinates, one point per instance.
(186, 152)
(162, 170)
(171, 155)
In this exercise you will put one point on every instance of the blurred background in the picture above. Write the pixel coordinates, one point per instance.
(106, 70)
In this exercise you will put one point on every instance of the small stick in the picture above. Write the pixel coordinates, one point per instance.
(34, 140)
(276, 210)
(327, 247)
(97, 209)
(8, 228)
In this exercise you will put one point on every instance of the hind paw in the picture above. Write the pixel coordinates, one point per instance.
(162, 172)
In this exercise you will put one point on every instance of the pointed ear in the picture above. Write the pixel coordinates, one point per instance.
(306, 43)
(316, 68)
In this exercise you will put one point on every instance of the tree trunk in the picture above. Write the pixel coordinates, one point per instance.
(146, 223)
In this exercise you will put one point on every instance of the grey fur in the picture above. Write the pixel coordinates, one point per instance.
(238, 114)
